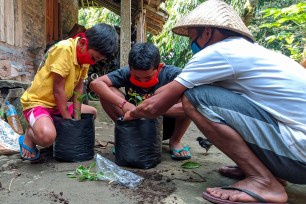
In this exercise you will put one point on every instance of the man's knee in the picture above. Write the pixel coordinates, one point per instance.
(187, 106)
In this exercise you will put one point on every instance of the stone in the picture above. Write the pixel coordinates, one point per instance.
(3, 161)
(15, 93)
(5, 69)
(13, 84)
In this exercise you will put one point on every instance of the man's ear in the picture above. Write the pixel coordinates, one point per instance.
(208, 31)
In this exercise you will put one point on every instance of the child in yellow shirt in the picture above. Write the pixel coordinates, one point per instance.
(61, 75)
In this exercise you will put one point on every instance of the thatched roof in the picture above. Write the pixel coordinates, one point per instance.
(155, 17)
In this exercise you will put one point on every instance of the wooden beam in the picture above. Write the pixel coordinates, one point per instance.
(125, 32)
(140, 22)
(18, 24)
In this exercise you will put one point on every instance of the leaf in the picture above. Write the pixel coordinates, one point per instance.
(190, 165)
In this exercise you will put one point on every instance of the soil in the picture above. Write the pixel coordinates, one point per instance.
(47, 181)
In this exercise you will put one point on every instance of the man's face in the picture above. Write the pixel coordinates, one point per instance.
(143, 75)
(192, 34)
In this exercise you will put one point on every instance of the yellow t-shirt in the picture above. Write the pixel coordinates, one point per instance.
(60, 59)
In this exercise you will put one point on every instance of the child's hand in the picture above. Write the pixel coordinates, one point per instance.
(128, 107)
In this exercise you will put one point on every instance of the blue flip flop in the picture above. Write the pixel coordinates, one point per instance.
(31, 150)
(174, 157)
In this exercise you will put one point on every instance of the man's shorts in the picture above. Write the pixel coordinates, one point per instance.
(258, 128)
(33, 114)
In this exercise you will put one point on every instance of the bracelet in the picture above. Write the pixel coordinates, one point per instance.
(122, 104)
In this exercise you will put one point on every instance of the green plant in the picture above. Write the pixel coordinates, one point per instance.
(282, 29)
(83, 173)
(135, 98)
(190, 165)
(80, 98)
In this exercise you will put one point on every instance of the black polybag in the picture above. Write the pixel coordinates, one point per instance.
(75, 139)
(138, 143)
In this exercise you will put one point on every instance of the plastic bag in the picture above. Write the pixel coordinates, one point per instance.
(112, 172)
(75, 139)
(8, 139)
(138, 143)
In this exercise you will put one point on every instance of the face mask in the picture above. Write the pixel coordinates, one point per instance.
(147, 84)
(84, 58)
(195, 48)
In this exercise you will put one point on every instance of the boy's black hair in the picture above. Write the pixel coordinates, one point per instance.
(102, 38)
(144, 56)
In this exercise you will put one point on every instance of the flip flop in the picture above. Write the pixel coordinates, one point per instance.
(216, 200)
(31, 150)
(230, 175)
(174, 157)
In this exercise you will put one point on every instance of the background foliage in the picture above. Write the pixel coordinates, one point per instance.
(276, 24)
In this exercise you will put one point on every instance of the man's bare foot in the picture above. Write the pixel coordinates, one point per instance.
(233, 171)
(269, 190)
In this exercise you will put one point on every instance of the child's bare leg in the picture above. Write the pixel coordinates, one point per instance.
(43, 133)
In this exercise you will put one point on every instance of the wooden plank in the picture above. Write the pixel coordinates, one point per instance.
(55, 20)
(18, 24)
(125, 32)
(141, 23)
(9, 21)
(49, 20)
(2, 27)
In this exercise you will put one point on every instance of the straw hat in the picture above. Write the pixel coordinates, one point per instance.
(212, 13)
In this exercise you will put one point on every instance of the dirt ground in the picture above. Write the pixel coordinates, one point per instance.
(47, 182)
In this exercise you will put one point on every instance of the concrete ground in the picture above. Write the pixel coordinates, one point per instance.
(47, 182)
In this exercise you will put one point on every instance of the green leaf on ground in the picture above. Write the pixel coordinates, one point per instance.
(190, 165)
(83, 173)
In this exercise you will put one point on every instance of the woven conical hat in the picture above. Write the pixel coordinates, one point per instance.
(212, 13)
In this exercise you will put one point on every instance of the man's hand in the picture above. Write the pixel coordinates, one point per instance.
(163, 99)
(127, 116)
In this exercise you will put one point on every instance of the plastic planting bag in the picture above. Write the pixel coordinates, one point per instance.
(8, 139)
(109, 171)
(75, 139)
(138, 143)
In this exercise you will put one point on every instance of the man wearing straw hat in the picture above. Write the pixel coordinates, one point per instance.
(248, 101)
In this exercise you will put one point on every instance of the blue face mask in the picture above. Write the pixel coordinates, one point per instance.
(195, 48)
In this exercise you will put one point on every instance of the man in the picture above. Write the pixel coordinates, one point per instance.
(59, 79)
(144, 75)
(248, 101)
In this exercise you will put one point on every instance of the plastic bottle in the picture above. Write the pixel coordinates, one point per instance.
(1, 112)
(12, 118)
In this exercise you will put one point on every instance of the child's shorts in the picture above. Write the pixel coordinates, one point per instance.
(33, 114)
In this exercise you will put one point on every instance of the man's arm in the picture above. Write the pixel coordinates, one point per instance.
(60, 95)
(163, 99)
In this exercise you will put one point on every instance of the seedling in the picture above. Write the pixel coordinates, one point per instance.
(80, 98)
(136, 98)
(83, 173)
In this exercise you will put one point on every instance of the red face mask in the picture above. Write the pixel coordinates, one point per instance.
(147, 84)
(84, 58)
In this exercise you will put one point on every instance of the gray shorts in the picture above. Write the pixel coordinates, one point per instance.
(258, 128)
